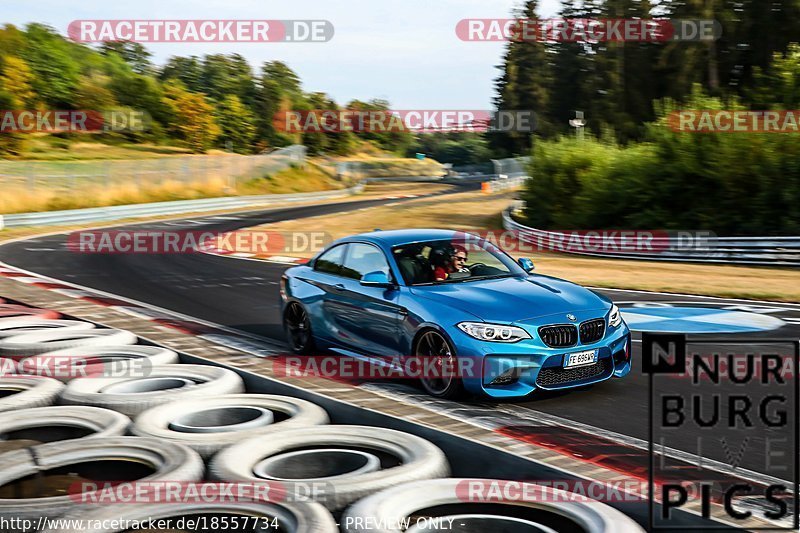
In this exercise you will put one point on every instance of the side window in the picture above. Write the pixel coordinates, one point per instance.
(330, 262)
(362, 259)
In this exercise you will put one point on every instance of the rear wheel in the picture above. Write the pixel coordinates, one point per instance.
(298, 329)
(440, 368)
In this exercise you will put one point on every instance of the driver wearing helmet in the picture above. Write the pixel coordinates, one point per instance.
(457, 262)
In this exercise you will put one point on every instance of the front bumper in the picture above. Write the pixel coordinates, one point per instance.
(516, 370)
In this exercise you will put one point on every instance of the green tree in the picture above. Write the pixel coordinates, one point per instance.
(525, 84)
(278, 90)
(11, 143)
(193, 117)
(288, 81)
(185, 69)
(236, 124)
(16, 79)
(93, 93)
(779, 87)
(221, 76)
(266, 105)
(56, 73)
(134, 54)
(455, 148)
(728, 184)
(395, 139)
(144, 93)
(574, 86)
(12, 40)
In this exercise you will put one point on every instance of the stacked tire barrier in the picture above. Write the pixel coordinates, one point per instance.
(85, 410)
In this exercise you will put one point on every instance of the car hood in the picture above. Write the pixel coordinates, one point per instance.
(515, 299)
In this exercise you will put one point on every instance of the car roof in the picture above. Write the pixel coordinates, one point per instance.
(405, 236)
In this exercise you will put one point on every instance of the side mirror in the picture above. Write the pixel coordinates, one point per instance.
(376, 279)
(526, 264)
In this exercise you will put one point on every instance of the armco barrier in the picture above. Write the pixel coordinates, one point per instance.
(762, 251)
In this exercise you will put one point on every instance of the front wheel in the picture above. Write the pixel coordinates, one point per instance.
(298, 329)
(440, 375)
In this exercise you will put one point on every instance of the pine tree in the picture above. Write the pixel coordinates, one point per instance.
(574, 87)
(524, 85)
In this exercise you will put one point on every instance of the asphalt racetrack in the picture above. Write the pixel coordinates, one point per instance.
(243, 294)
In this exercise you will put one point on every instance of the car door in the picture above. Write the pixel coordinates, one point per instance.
(367, 317)
(327, 277)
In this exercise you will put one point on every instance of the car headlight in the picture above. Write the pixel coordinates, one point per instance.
(493, 332)
(615, 317)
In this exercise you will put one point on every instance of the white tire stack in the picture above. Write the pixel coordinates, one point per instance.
(21, 392)
(209, 424)
(98, 361)
(38, 342)
(37, 425)
(151, 460)
(132, 395)
(19, 326)
(352, 461)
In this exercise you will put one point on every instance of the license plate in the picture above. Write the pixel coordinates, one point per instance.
(580, 358)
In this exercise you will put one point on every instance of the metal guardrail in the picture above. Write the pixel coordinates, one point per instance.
(118, 212)
(759, 251)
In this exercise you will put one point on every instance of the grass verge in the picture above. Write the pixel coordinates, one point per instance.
(378, 167)
(20, 199)
(376, 190)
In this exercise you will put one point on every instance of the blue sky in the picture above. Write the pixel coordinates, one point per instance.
(405, 51)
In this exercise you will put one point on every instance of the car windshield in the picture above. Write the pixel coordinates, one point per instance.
(453, 261)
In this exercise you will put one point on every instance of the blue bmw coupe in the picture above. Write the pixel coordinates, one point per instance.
(448, 298)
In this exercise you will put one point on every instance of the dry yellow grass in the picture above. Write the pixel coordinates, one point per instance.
(291, 180)
(776, 284)
(475, 211)
(44, 148)
(377, 190)
(18, 199)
